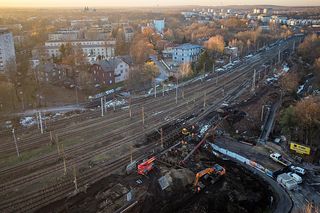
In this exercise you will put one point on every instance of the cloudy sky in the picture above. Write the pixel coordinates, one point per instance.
(113, 3)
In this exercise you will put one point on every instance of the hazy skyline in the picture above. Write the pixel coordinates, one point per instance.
(135, 3)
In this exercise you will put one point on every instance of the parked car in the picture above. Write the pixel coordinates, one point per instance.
(298, 170)
(296, 177)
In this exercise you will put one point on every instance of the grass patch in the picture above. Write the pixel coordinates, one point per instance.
(26, 155)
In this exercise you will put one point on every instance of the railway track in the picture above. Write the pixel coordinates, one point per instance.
(184, 106)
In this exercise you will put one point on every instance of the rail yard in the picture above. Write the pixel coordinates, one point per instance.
(78, 154)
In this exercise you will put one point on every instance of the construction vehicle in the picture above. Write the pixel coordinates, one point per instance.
(278, 158)
(206, 173)
(145, 167)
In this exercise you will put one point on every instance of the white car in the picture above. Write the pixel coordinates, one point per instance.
(296, 177)
(298, 170)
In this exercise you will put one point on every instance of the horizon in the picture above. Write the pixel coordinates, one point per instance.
(145, 3)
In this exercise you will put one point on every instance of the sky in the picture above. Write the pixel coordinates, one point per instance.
(147, 3)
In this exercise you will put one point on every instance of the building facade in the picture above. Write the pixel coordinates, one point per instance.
(64, 35)
(89, 47)
(186, 53)
(118, 66)
(128, 34)
(7, 51)
(159, 25)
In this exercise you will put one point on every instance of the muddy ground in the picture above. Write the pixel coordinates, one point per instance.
(238, 191)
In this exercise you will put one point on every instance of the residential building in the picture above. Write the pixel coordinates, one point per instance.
(110, 71)
(186, 53)
(7, 51)
(128, 34)
(232, 51)
(159, 25)
(52, 73)
(257, 10)
(64, 35)
(264, 18)
(101, 74)
(97, 33)
(93, 48)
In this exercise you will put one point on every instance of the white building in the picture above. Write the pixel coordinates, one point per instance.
(128, 34)
(93, 48)
(7, 51)
(159, 25)
(186, 53)
(64, 35)
(264, 18)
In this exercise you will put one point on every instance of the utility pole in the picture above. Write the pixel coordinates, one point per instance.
(51, 138)
(40, 119)
(105, 101)
(162, 89)
(130, 111)
(102, 106)
(64, 160)
(254, 81)
(177, 91)
(75, 179)
(22, 100)
(15, 142)
(213, 67)
(279, 57)
(161, 137)
(131, 158)
(204, 100)
(114, 103)
(262, 112)
(223, 91)
(77, 100)
(155, 89)
(142, 116)
(294, 45)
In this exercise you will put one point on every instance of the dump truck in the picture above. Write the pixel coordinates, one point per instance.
(278, 158)
(216, 170)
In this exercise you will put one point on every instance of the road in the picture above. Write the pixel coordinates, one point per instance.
(162, 69)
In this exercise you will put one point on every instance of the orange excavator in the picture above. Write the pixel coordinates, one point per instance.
(145, 167)
(216, 170)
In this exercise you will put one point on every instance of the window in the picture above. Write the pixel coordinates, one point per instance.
(110, 81)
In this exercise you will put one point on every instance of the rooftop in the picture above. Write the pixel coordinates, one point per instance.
(4, 30)
(187, 46)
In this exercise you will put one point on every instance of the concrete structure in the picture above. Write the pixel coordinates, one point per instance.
(93, 48)
(64, 35)
(159, 25)
(186, 53)
(7, 51)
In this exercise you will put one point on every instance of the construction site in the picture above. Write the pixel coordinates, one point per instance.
(198, 147)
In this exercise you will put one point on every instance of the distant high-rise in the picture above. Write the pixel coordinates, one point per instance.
(159, 25)
(7, 52)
